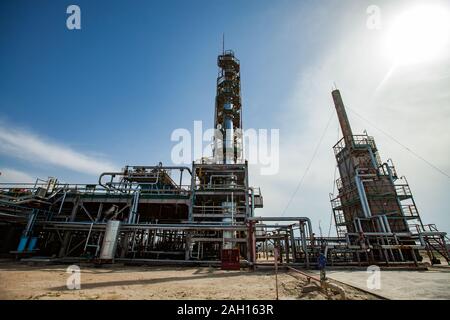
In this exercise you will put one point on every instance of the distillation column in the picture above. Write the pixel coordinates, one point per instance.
(228, 130)
(227, 119)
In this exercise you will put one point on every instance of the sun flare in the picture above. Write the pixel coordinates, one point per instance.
(418, 34)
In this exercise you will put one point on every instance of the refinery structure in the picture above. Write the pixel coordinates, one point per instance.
(147, 214)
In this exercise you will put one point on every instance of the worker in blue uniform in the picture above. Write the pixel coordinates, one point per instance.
(322, 262)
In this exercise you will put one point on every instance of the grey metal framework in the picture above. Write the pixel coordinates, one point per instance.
(145, 214)
(374, 209)
(141, 213)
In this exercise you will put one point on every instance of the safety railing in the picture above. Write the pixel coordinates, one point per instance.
(430, 227)
(410, 210)
(358, 141)
(16, 190)
(339, 146)
(364, 140)
(403, 190)
(217, 210)
(339, 217)
(228, 56)
(336, 203)
(219, 186)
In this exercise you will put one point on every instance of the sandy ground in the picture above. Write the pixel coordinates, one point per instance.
(402, 284)
(20, 281)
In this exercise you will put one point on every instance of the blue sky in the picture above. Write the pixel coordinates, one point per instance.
(111, 93)
(136, 71)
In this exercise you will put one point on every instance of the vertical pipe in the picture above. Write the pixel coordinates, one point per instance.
(399, 250)
(343, 119)
(251, 242)
(414, 256)
(266, 249)
(30, 222)
(193, 186)
(99, 212)
(286, 245)
(362, 196)
(62, 202)
(229, 141)
(252, 213)
(397, 199)
(372, 157)
(67, 234)
(304, 245)
(355, 225)
(181, 178)
(388, 227)
(294, 253)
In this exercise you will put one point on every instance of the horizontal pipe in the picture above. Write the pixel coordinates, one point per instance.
(218, 240)
(308, 221)
(399, 234)
(433, 233)
(124, 173)
(402, 246)
(126, 227)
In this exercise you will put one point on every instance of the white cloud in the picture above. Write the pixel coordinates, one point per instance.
(31, 147)
(12, 175)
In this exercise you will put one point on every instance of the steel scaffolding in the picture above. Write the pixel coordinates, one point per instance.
(149, 214)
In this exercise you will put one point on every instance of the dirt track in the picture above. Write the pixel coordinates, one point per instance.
(19, 281)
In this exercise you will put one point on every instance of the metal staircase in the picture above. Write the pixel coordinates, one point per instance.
(435, 243)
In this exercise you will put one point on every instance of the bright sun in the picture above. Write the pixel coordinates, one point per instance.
(419, 34)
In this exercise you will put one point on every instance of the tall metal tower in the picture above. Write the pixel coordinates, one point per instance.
(221, 194)
(228, 115)
(374, 205)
